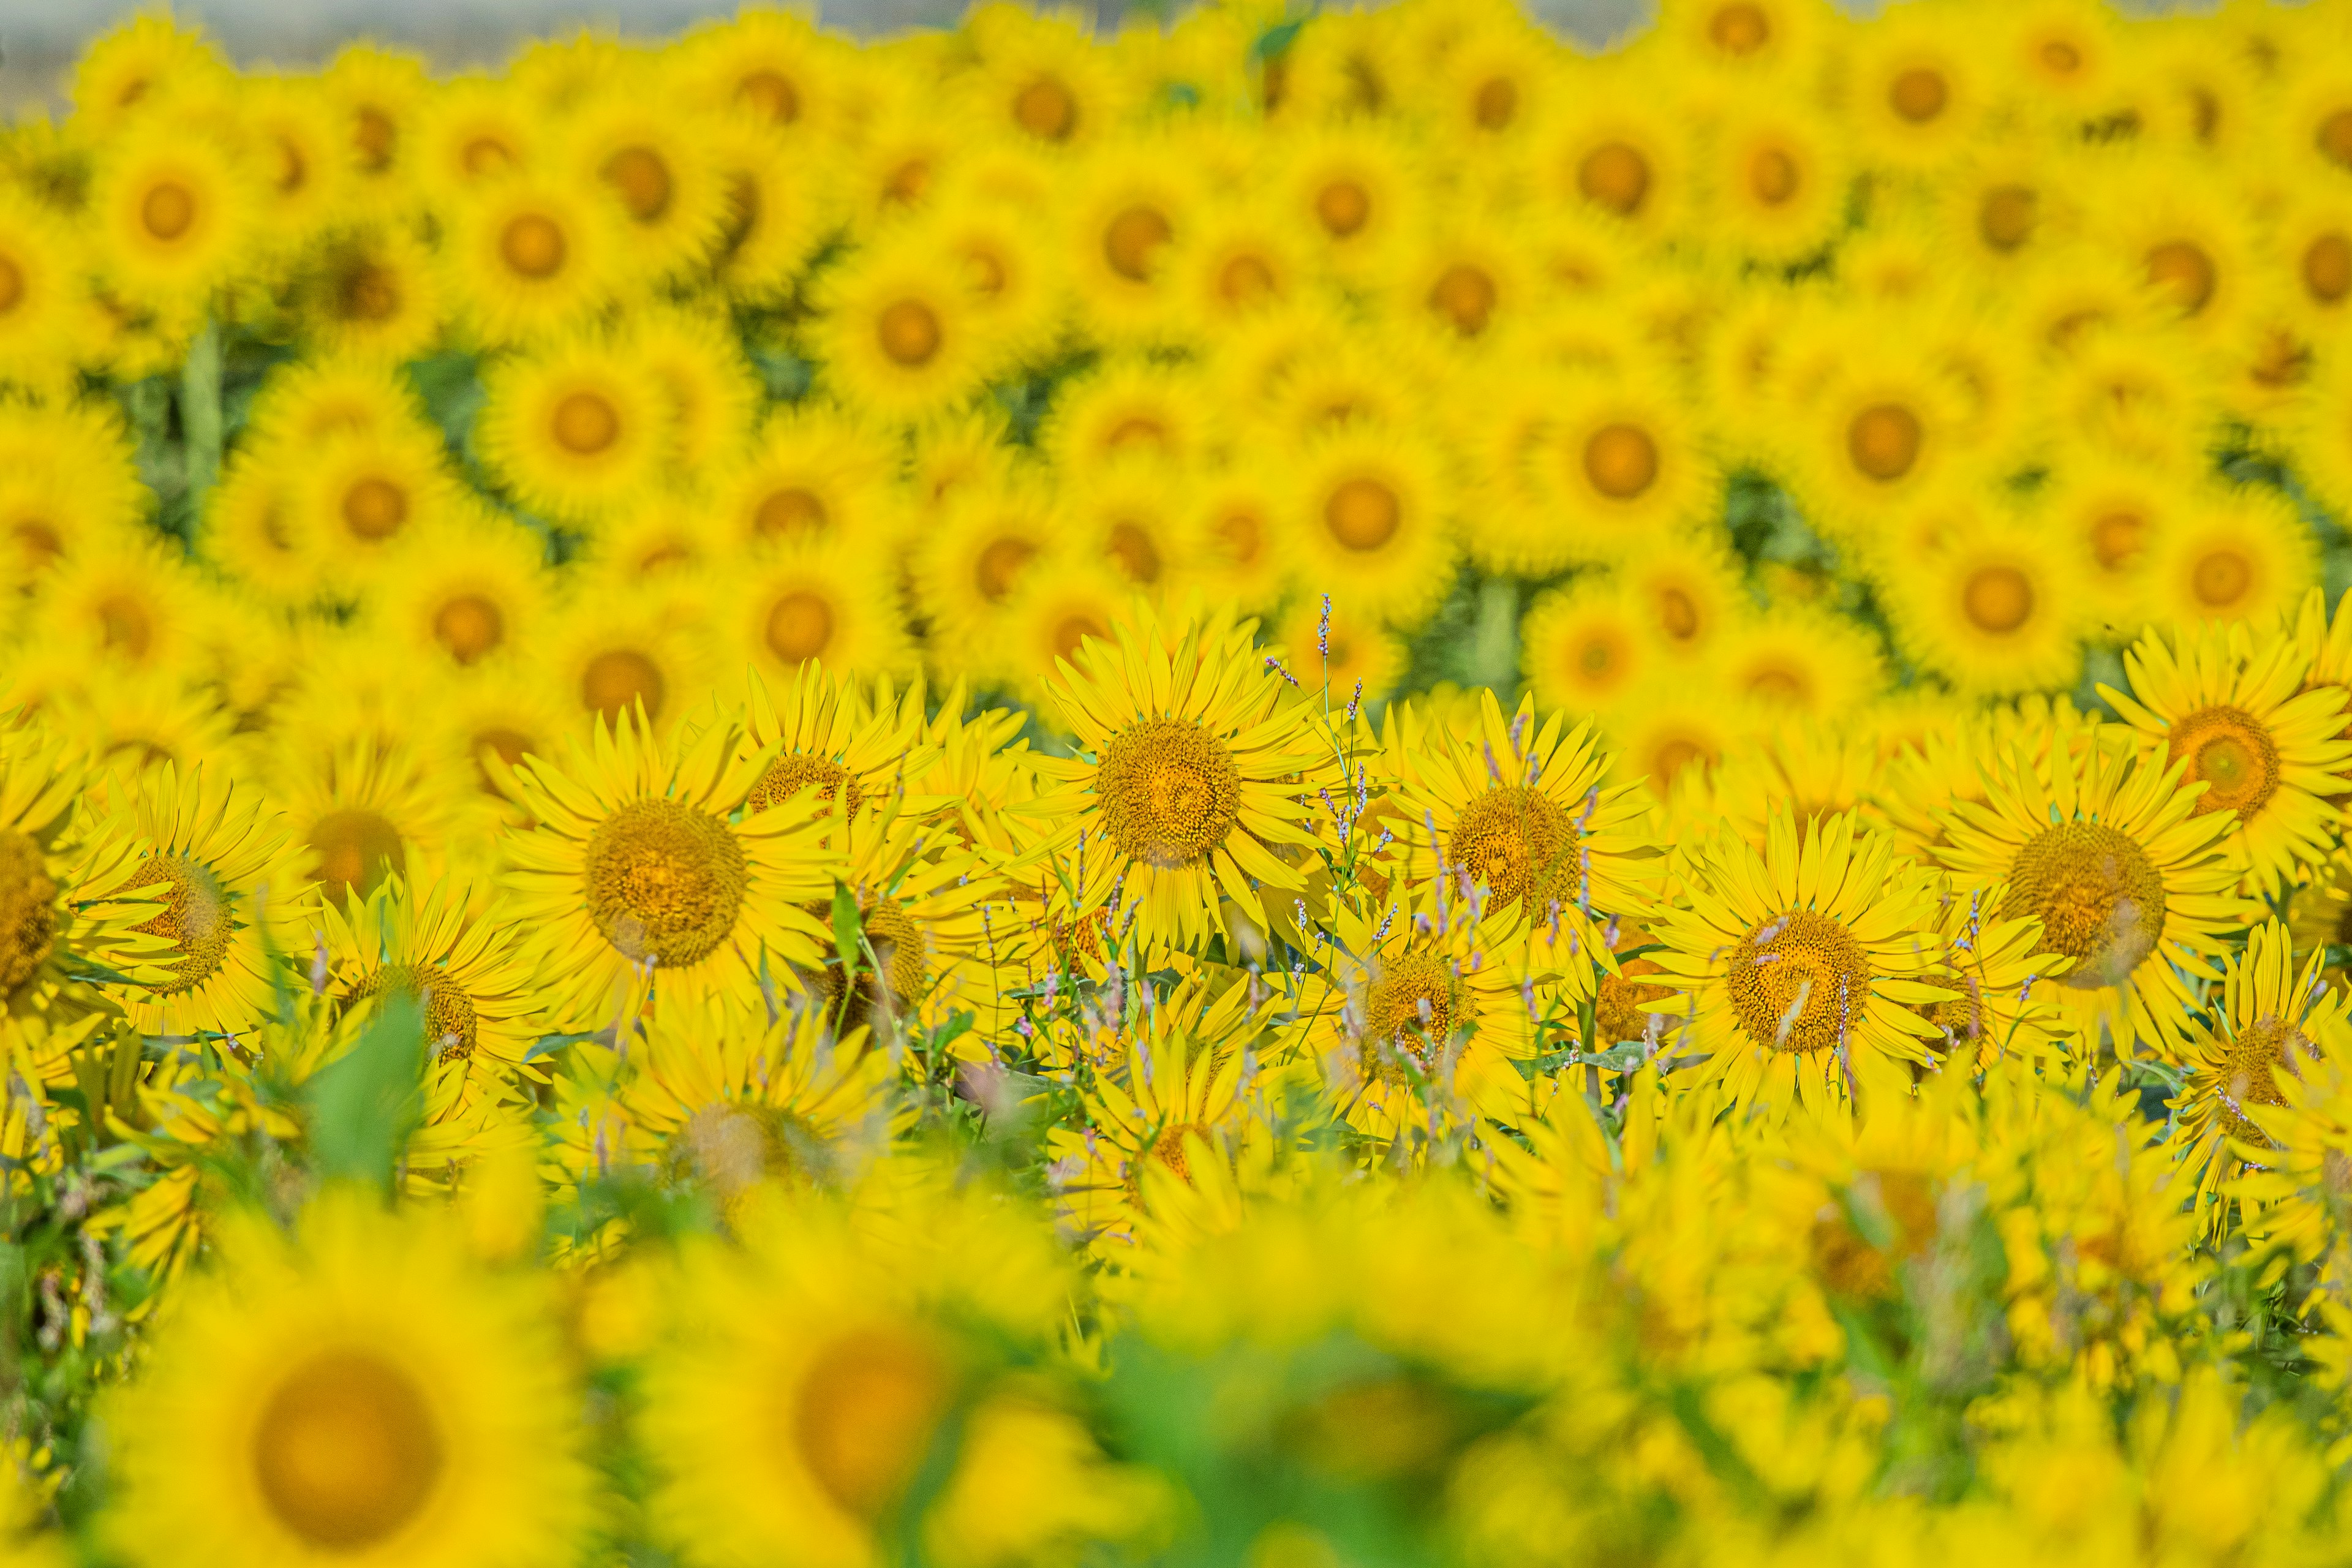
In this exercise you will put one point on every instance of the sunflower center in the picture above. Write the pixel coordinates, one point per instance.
(1465, 295)
(449, 1025)
(375, 509)
(1997, 599)
(367, 292)
(346, 1452)
(2232, 754)
(908, 332)
(585, 423)
(1739, 29)
(2220, 578)
(1884, 441)
(898, 948)
(2006, 215)
(788, 512)
(1046, 109)
(1133, 241)
(862, 1418)
(485, 154)
(468, 625)
(12, 285)
(195, 918)
(1618, 1013)
(999, 567)
(1243, 534)
(355, 847)
(167, 211)
(1244, 279)
(2250, 1065)
(1497, 104)
(796, 771)
(799, 626)
(617, 681)
(532, 245)
(1170, 792)
(1168, 1148)
(28, 909)
(770, 94)
(1413, 1010)
(641, 179)
(2098, 896)
(2062, 57)
(375, 136)
(1521, 843)
(2335, 138)
(1362, 514)
(662, 881)
(2116, 537)
(1918, 95)
(2327, 268)
(1621, 461)
(1677, 614)
(1615, 177)
(1773, 176)
(1799, 983)
(2184, 272)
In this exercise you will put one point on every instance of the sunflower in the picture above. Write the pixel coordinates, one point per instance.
(1618, 463)
(39, 259)
(137, 607)
(1917, 91)
(224, 867)
(1233, 527)
(651, 164)
(372, 294)
(858, 744)
(1749, 46)
(1065, 601)
(2272, 1021)
(2244, 716)
(526, 255)
(1239, 258)
(1664, 730)
(772, 219)
(378, 95)
(2131, 882)
(1619, 150)
(175, 212)
(1192, 755)
(66, 491)
(1351, 195)
(1782, 177)
(362, 1390)
(813, 599)
(1472, 282)
(1998, 964)
(1369, 520)
(773, 69)
(2106, 516)
(1131, 409)
(1131, 208)
(1994, 611)
(1519, 810)
(1584, 648)
(986, 539)
(573, 427)
(895, 338)
(1885, 429)
(474, 130)
(728, 1100)
(617, 644)
(812, 474)
(499, 716)
(364, 810)
(307, 401)
(1798, 970)
(473, 588)
(2241, 553)
(1798, 660)
(359, 499)
(446, 946)
(635, 879)
(143, 61)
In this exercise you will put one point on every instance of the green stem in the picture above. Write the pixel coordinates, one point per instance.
(1494, 644)
(200, 418)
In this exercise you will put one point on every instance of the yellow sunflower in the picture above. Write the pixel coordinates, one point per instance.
(857, 743)
(573, 427)
(473, 588)
(2271, 1020)
(617, 643)
(2241, 553)
(2001, 970)
(362, 1392)
(445, 943)
(812, 473)
(650, 162)
(696, 360)
(2131, 882)
(813, 599)
(174, 212)
(898, 339)
(1190, 775)
(525, 255)
(372, 294)
(635, 879)
(359, 498)
(366, 811)
(1371, 521)
(1800, 970)
(1992, 610)
(2241, 712)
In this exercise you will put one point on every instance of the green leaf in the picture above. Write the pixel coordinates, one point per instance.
(364, 1105)
(848, 940)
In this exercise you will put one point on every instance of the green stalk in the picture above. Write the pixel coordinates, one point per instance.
(200, 418)
(1494, 641)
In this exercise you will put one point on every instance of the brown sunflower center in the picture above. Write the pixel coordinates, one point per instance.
(2327, 268)
(2006, 215)
(1773, 176)
(786, 512)
(641, 177)
(618, 679)
(1168, 1148)
(367, 292)
(374, 507)
(662, 881)
(1679, 614)
(12, 285)
(799, 626)
(1621, 461)
(2184, 272)
(1343, 207)
(346, 1452)
(908, 333)
(1133, 240)
(2116, 537)
(2097, 894)
(1170, 792)
(1799, 983)
(1884, 440)
(468, 625)
(167, 211)
(2232, 754)
(999, 567)
(1918, 94)
(2333, 137)
(355, 847)
(898, 948)
(585, 424)
(1464, 295)
(1411, 1011)
(862, 1418)
(1615, 177)
(2221, 577)
(1361, 513)
(1739, 29)
(532, 245)
(449, 1027)
(28, 909)
(1997, 599)
(796, 771)
(1046, 109)
(2249, 1070)
(1244, 279)
(194, 918)
(1496, 103)
(1521, 843)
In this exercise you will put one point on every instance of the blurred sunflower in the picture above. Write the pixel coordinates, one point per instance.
(2273, 1020)
(445, 946)
(1993, 611)
(526, 254)
(1369, 520)
(810, 599)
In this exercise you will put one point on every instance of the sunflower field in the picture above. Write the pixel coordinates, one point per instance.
(1287, 788)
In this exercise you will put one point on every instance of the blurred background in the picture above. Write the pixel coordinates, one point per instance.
(39, 40)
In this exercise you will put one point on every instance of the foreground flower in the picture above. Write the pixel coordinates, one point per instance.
(360, 1394)
(1802, 969)
(1190, 773)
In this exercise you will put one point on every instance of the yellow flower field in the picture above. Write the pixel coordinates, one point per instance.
(1284, 788)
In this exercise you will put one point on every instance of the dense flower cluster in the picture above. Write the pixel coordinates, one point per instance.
(1292, 789)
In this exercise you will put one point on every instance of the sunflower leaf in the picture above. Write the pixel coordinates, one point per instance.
(365, 1104)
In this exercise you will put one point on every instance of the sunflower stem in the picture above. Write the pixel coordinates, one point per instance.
(200, 418)
(1493, 643)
